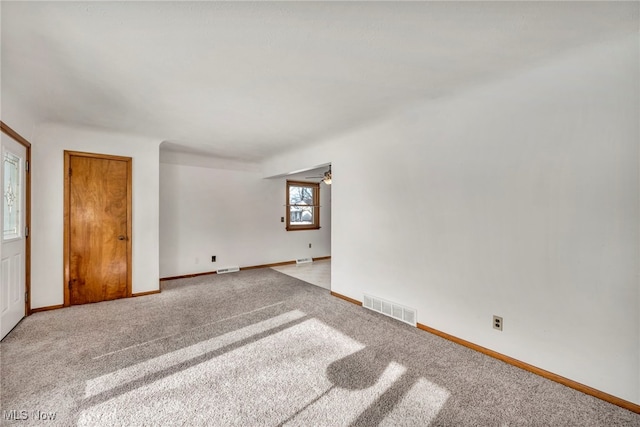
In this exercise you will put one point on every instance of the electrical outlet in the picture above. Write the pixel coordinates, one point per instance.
(497, 322)
(213, 258)
(309, 245)
(281, 219)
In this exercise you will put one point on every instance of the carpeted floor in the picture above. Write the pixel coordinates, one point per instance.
(262, 348)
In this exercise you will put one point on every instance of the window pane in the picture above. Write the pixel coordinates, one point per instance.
(302, 215)
(11, 196)
(300, 195)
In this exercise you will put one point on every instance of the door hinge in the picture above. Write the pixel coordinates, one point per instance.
(26, 297)
(27, 165)
(69, 284)
(26, 232)
(69, 171)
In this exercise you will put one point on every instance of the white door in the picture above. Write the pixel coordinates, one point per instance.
(13, 239)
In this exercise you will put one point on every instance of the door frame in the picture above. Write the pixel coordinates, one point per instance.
(27, 262)
(67, 220)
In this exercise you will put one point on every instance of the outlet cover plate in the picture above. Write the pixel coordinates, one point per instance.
(497, 322)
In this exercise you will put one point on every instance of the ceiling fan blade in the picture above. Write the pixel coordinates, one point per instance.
(326, 175)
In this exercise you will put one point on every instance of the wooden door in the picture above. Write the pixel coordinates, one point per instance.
(13, 240)
(97, 228)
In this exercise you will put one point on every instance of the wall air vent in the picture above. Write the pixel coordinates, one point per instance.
(227, 270)
(304, 260)
(391, 309)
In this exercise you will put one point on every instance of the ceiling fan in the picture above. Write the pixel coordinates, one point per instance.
(326, 178)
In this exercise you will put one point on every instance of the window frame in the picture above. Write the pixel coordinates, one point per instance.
(316, 205)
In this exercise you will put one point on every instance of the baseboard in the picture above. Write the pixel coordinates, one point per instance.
(186, 276)
(250, 267)
(523, 365)
(346, 298)
(141, 294)
(56, 307)
(51, 307)
(275, 264)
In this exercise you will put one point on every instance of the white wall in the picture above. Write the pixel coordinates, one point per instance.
(18, 118)
(233, 214)
(519, 199)
(47, 198)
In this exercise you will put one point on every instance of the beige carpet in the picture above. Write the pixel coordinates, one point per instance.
(260, 348)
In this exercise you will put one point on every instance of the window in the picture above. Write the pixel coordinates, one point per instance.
(11, 194)
(303, 205)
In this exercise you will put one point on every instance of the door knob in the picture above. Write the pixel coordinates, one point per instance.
(121, 237)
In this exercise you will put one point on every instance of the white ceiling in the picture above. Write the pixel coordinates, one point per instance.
(247, 80)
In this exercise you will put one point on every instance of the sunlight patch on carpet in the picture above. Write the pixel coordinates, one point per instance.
(301, 375)
(151, 366)
(348, 403)
(419, 406)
